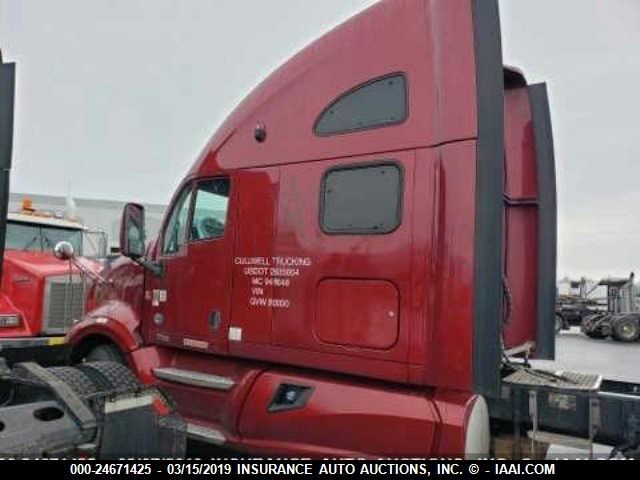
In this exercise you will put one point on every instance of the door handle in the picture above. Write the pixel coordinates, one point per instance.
(215, 320)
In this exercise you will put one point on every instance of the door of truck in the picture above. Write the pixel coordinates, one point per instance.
(188, 306)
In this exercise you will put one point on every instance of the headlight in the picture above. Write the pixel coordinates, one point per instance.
(9, 321)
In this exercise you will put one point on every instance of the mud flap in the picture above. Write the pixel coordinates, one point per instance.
(132, 425)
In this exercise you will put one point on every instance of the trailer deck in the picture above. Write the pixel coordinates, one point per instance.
(571, 409)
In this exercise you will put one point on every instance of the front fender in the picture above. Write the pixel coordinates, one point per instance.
(115, 320)
(7, 307)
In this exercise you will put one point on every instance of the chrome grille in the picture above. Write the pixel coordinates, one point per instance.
(64, 301)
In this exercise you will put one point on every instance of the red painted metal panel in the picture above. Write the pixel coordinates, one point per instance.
(23, 285)
(521, 174)
(174, 326)
(454, 408)
(201, 270)
(521, 218)
(448, 199)
(430, 41)
(212, 407)
(375, 257)
(126, 284)
(357, 313)
(339, 418)
(522, 267)
(114, 320)
(29, 324)
(22, 293)
(252, 283)
(451, 35)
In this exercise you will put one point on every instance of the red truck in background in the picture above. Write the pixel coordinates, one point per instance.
(348, 267)
(63, 411)
(40, 295)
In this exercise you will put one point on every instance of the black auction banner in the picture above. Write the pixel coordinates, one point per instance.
(291, 468)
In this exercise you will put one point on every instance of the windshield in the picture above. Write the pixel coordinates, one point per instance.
(40, 238)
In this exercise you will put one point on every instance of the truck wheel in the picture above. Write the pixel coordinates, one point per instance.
(626, 329)
(591, 326)
(104, 353)
(596, 333)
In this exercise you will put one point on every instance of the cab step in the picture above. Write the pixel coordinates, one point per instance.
(558, 439)
(195, 379)
(205, 434)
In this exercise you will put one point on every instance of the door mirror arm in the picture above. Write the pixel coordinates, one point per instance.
(157, 268)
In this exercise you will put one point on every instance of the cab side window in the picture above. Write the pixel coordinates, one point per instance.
(175, 233)
(380, 102)
(210, 209)
(362, 199)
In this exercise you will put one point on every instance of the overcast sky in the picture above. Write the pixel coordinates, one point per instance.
(116, 98)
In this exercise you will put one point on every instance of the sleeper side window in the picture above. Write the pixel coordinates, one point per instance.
(210, 209)
(378, 103)
(362, 199)
(175, 233)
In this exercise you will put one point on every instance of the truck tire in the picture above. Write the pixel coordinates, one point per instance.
(626, 328)
(591, 327)
(104, 353)
(596, 333)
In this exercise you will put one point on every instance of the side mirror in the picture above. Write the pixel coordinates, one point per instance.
(132, 231)
(63, 251)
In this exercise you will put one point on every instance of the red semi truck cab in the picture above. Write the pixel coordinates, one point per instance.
(354, 251)
(40, 296)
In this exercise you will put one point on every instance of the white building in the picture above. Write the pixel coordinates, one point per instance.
(103, 215)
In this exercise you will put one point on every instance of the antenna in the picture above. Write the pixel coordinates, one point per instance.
(70, 209)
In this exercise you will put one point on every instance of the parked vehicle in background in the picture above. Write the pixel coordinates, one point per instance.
(39, 231)
(574, 306)
(621, 320)
(41, 296)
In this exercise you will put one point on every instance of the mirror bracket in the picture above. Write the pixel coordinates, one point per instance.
(157, 268)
